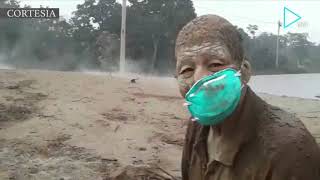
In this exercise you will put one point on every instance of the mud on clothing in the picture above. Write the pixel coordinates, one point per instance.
(266, 143)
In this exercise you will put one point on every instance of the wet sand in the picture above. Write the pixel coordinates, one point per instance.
(64, 125)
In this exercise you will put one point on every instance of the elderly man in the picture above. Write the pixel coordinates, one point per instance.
(233, 134)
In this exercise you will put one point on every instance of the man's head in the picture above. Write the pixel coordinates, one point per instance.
(206, 45)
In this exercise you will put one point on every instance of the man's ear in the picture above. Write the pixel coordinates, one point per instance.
(246, 71)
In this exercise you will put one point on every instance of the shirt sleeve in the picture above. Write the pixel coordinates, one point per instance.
(299, 160)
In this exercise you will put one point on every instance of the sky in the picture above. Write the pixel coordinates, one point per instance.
(263, 13)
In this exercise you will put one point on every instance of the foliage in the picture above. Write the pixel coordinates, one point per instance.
(153, 26)
(252, 29)
(90, 39)
(294, 51)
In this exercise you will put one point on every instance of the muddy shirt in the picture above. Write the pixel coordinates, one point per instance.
(266, 143)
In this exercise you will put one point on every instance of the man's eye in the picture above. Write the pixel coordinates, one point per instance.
(214, 65)
(187, 72)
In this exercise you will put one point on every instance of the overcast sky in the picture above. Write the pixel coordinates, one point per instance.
(264, 13)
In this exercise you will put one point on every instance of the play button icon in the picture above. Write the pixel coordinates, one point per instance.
(289, 17)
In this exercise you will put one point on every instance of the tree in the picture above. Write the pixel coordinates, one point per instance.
(52, 46)
(91, 39)
(9, 29)
(299, 43)
(252, 29)
(261, 50)
(9, 4)
(105, 15)
(108, 51)
(154, 24)
(246, 41)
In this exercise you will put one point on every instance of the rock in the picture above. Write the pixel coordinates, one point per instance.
(134, 80)
(33, 170)
(109, 160)
(142, 149)
(13, 87)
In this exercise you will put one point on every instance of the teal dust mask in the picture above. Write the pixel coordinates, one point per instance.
(215, 97)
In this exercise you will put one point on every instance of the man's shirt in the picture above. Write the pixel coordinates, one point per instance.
(265, 143)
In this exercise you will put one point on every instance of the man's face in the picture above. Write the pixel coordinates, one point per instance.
(195, 62)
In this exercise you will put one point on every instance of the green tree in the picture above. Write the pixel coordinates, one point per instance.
(314, 54)
(252, 29)
(9, 4)
(153, 25)
(105, 15)
(299, 43)
(10, 31)
(261, 50)
(51, 48)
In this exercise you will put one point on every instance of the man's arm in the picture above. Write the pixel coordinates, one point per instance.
(299, 160)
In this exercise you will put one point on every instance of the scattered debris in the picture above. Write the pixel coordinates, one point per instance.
(13, 86)
(26, 83)
(14, 113)
(141, 173)
(59, 159)
(166, 173)
(80, 99)
(126, 99)
(109, 160)
(159, 97)
(311, 117)
(134, 80)
(142, 149)
(20, 85)
(117, 114)
(170, 140)
(45, 116)
(77, 125)
(103, 123)
(33, 170)
(116, 129)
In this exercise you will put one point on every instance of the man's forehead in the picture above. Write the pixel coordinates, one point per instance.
(209, 48)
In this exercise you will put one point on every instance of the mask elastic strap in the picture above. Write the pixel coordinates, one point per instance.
(238, 74)
(194, 119)
(239, 71)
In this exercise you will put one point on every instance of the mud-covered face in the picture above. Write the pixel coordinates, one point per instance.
(195, 62)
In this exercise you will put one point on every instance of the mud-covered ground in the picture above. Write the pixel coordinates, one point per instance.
(56, 125)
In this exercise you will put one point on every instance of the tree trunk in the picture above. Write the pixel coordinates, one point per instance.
(172, 60)
(155, 53)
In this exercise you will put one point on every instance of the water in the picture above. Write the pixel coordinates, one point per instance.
(293, 85)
